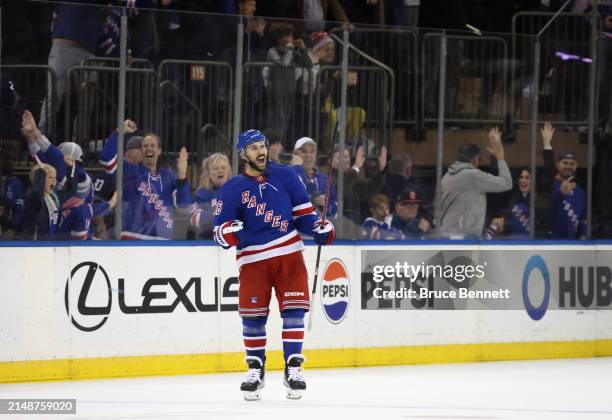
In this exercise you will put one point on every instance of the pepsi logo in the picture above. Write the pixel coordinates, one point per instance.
(335, 293)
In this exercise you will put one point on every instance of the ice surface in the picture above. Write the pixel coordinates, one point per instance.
(550, 389)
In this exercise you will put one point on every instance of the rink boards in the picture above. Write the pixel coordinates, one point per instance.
(144, 309)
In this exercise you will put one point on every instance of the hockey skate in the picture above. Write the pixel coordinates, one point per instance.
(294, 380)
(254, 380)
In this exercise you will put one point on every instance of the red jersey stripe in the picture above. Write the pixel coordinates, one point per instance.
(288, 242)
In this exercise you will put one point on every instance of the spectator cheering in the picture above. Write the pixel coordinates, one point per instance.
(43, 205)
(515, 221)
(569, 204)
(305, 159)
(63, 157)
(216, 171)
(76, 209)
(463, 205)
(150, 193)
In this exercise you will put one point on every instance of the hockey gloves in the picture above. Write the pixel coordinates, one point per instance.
(323, 232)
(226, 234)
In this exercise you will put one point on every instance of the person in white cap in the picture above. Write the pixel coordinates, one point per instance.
(61, 158)
(76, 208)
(316, 182)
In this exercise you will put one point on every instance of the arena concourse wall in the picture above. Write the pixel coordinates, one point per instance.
(122, 309)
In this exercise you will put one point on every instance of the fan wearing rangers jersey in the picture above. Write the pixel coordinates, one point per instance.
(76, 211)
(150, 193)
(260, 213)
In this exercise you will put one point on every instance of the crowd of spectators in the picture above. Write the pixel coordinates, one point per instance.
(62, 201)
(382, 199)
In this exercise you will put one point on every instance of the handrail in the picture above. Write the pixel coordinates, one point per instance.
(170, 83)
(480, 38)
(554, 18)
(96, 69)
(391, 78)
(218, 132)
(363, 54)
(165, 83)
(115, 60)
(516, 16)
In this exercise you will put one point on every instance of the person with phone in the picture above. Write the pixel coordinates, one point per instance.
(568, 201)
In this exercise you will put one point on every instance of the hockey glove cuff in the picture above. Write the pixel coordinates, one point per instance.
(323, 232)
(226, 234)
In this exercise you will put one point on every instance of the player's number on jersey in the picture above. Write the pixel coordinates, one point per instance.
(219, 207)
(98, 184)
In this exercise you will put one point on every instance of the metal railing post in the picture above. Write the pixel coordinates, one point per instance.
(238, 92)
(120, 119)
(342, 136)
(440, 139)
(534, 134)
(591, 122)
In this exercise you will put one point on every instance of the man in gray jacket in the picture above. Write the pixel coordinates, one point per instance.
(463, 204)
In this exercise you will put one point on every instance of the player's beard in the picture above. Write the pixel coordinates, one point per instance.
(256, 165)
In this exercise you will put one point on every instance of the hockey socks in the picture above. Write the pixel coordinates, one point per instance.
(293, 332)
(254, 335)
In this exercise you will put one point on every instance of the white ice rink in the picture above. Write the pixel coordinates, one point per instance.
(555, 389)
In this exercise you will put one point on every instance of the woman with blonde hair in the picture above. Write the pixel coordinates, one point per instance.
(215, 172)
(43, 206)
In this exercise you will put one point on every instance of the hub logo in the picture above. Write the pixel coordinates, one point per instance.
(335, 296)
(536, 263)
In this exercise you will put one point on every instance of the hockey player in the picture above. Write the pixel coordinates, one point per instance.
(150, 193)
(260, 213)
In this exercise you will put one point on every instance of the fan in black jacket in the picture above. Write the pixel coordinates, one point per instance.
(43, 205)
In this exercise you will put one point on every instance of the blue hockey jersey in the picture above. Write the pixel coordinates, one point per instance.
(148, 198)
(315, 186)
(273, 206)
(376, 230)
(76, 219)
(568, 213)
(518, 225)
(203, 217)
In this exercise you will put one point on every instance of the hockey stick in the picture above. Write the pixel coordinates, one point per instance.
(323, 215)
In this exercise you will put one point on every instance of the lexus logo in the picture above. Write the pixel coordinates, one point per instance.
(83, 313)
